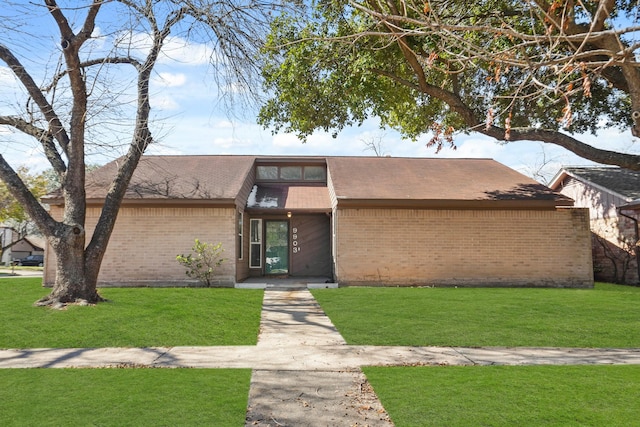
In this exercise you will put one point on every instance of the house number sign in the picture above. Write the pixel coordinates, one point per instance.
(296, 248)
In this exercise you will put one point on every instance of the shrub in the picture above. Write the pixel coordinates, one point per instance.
(203, 262)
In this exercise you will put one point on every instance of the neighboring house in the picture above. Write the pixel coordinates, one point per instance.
(17, 247)
(612, 195)
(351, 220)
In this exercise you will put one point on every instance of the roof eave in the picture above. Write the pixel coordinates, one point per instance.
(227, 202)
(632, 206)
(284, 211)
(558, 178)
(455, 204)
(561, 176)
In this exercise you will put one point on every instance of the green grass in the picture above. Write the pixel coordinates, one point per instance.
(123, 397)
(133, 317)
(414, 396)
(606, 316)
(509, 395)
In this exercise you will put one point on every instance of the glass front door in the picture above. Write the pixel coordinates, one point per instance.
(276, 247)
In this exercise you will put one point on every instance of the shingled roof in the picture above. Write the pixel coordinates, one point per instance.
(177, 177)
(615, 180)
(367, 181)
(435, 181)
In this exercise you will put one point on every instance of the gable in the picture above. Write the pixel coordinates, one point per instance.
(620, 182)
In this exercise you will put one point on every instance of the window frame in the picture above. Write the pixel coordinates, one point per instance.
(240, 251)
(255, 241)
(278, 176)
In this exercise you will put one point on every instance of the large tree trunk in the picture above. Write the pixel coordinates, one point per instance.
(73, 282)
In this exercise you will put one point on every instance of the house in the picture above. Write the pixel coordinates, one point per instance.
(16, 246)
(612, 195)
(352, 220)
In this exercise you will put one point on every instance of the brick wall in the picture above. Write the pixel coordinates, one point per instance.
(464, 247)
(145, 241)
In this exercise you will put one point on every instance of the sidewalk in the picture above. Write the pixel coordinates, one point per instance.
(310, 385)
(8, 272)
(302, 368)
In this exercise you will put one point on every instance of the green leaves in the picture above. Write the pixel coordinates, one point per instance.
(446, 65)
(204, 262)
(10, 209)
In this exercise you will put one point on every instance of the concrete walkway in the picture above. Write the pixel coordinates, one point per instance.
(303, 371)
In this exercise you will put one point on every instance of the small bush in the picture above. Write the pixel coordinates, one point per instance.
(204, 261)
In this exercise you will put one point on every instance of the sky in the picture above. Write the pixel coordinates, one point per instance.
(192, 119)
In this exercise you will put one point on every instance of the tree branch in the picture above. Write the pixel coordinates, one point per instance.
(19, 190)
(41, 135)
(141, 139)
(55, 125)
(98, 61)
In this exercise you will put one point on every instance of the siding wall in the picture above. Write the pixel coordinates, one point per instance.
(601, 204)
(144, 244)
(464, 247)
(613, 235)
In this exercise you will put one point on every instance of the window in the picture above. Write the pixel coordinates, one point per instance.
(299, 173)
(314, 173)
(240, 243)
(291, 173)
(255, 239)
(267, 172)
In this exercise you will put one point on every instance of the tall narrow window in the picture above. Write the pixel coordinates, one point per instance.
(255, 247)
(240, 235)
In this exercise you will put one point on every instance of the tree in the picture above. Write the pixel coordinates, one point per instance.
(376, 145)
(66, 107)
(13, 214)
(203, 263)
(540, 70)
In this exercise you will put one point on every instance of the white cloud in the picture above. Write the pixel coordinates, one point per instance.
(170, 79)
(285, 140)
(224, 124)
(174, 49)
(6, 76)
(165, 103)
(185, 52)
(474, 146)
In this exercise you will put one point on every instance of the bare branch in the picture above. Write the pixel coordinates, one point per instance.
(56, 128)
(41, 135)
(20, 191)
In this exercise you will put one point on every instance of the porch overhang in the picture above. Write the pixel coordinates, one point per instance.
(281, 199)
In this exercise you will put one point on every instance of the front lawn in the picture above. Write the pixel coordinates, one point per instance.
(508, 395)
(124, 397)
(133, 317)
(606, 316)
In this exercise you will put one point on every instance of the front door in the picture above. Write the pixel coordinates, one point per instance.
(276, 247)
(311, 241)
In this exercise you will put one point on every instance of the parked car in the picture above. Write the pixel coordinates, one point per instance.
(32, 260)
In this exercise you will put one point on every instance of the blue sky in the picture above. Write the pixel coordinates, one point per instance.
(191, 119)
